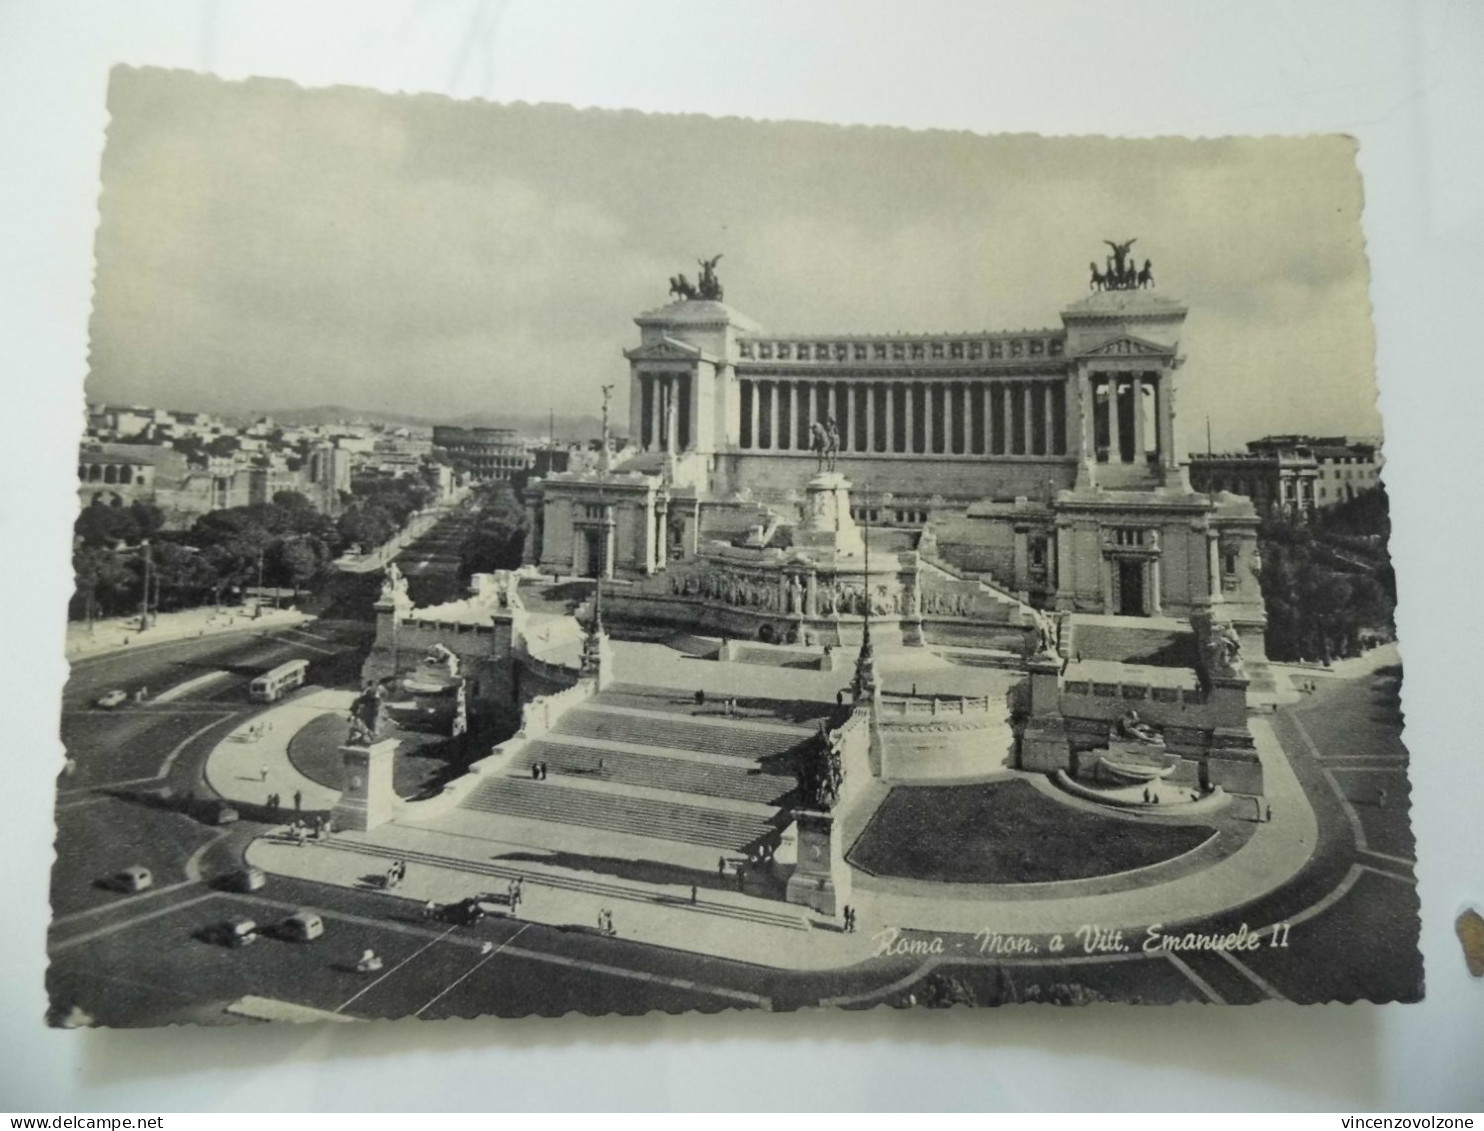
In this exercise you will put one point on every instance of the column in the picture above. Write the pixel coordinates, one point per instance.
(1136, 397)
(1051, 391)
(1002, 414)
(1087, 415)
(1028, 406)
(891, 417)
(1151, 590)
(1164, 416)
(909, 415)
(870, 391)
(608, 524)
(1213, 563)
(652, 397)
(1115, 439)
(949, 418)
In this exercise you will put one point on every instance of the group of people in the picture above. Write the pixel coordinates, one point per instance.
(395, 874)
(275, 800)
(605, 922)
(538, 771)
(849, 916)
(256, 730)
(301, 830)
(728, 705)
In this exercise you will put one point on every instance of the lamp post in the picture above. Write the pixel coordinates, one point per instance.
(144, 596)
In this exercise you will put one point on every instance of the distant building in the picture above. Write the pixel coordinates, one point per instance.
(1291, 474)
(492, 454)
(1278, 479)
(1346, 468)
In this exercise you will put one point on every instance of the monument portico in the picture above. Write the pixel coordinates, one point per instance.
(1043, 463)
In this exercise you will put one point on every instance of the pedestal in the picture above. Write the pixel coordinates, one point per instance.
(827, 522)
(820, 879)
(368, 798)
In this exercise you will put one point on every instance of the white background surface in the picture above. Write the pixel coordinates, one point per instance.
(1406, 79)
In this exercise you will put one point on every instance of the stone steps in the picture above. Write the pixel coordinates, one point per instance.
(740, 783)
(591, 808)
(677, 733)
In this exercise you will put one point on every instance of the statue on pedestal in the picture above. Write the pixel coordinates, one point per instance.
(393, 584)
(820, 772)
(708, 286)
(366, 717)
(825, 443)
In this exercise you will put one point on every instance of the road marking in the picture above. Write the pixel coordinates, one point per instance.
(169, 761)
(118, 904)
(1399, 768)
(297, 643)
(488, 958)
(1195, 979)
(1406, 861)
(362, 992)
(1388, 875)
(114, 928)
(1350, 814)
(193, 865)
(1252, 976)
(195, 683)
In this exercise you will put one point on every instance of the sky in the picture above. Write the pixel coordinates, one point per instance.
(265, 246)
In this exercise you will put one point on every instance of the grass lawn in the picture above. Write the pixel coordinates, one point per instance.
(1007, 832)
(424, 761)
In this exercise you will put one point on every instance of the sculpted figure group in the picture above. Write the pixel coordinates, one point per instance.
(1121, 272)
(939, 603)
(820, 771)
(786, 595)
(707, 286)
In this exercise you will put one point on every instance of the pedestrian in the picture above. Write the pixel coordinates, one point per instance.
(544, 770)
(600, 765)
(721, 866)
(1267, 814)
(700, 698)
(535, 771)
(914, 689)
(1381, 796)
(840, 698)
(741, 878)
(694, 895)
(298, 800)
(264, 773)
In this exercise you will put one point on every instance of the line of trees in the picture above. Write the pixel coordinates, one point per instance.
(1328, 584)
(498, 535)
(285, 544)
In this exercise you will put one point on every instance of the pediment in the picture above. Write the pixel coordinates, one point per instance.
(1128, 345)
(665, 349)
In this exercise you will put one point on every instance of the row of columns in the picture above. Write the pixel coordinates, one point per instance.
(1108, 390)
(111, 473)
(661, 425)
(1012, 417)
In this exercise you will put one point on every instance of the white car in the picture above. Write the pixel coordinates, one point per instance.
(111, 699)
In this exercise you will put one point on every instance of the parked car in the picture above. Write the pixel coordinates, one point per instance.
(111, 699)
(132, 879)
(303, 926)
(223, 814)
(238, 931)
(247, 880)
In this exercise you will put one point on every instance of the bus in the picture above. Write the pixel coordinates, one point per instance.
(273, 686)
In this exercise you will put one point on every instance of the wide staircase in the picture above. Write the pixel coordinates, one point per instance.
(631, 761)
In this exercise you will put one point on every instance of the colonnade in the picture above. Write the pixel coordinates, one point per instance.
(1126, 422)
(664, 420)
(970, 417)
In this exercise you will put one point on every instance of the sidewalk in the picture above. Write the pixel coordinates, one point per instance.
(245, 769)
(114, 635)
(719, 924)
